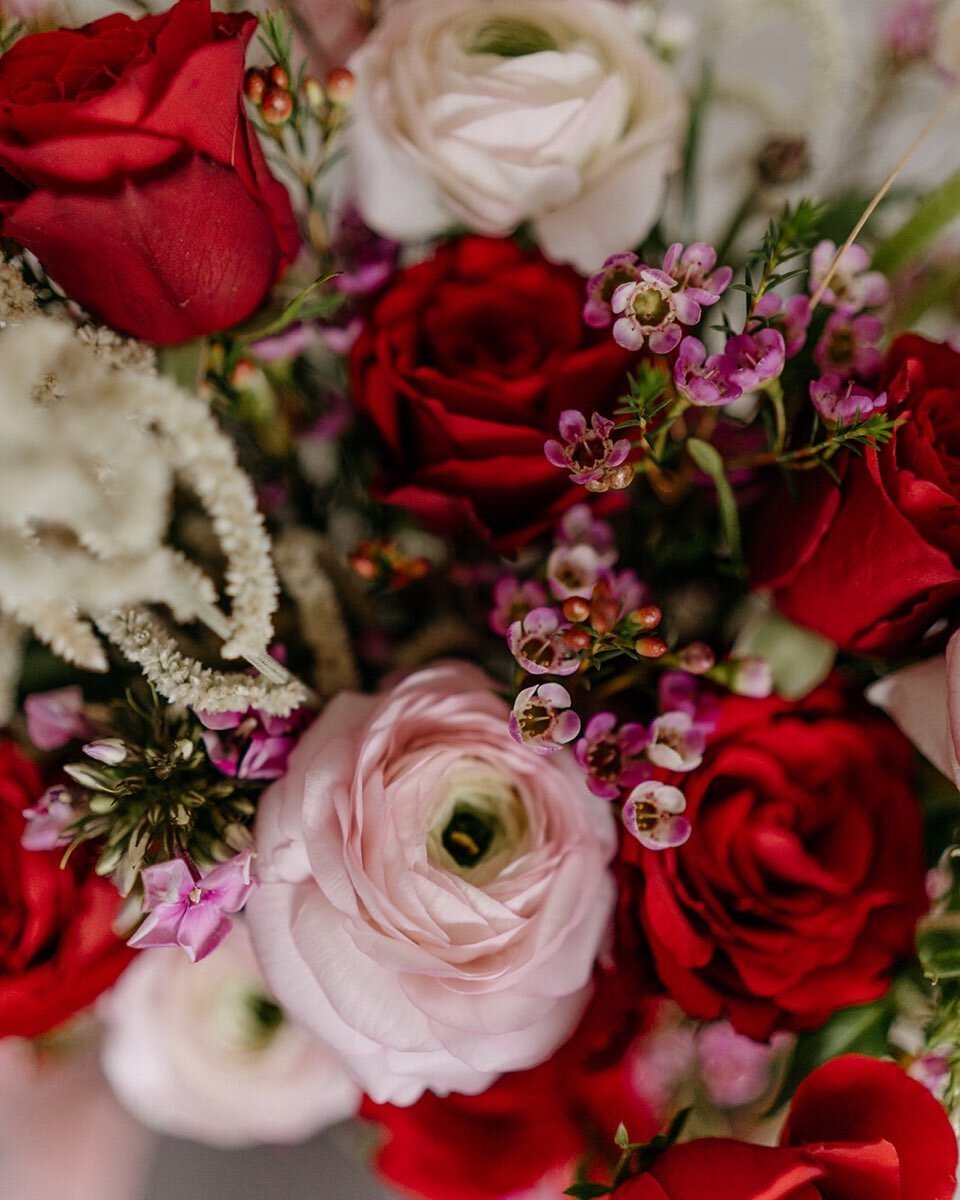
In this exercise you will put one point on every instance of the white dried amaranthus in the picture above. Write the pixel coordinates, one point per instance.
(92, 441)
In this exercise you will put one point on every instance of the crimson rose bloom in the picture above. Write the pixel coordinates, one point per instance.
(803, 878)
(128, 166)
(858, 1129)
(58, 951)
(466, 363)
(873, 563)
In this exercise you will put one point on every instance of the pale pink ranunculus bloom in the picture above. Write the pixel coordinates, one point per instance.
(199, 1050)
(433, 896)
(488, 115)
(924, 700)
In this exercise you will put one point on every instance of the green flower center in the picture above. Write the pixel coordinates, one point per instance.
(510, 38)
(469, 834)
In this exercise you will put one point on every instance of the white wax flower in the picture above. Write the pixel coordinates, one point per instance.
(199, 1050)
(489, 115)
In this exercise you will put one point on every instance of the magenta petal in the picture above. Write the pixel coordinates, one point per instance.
(202, 930)
(161, 928)
(686, 307)
(567, 727)
(55, 718)
(573, 424)
(228, 886)
(219, 720)
(166, 884)
(555, 453)
(665, 340)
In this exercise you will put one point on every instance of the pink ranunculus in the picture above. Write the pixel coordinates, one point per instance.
(924, 700)
(433, 896)
(200, 1050)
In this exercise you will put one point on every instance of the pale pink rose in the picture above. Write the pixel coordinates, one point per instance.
(63, 1135)
(489, 115)
(924, 700)
(433, 895)
(946, 43)
(200, 1050)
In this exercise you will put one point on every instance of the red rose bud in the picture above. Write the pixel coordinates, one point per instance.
(143, 158)
(277, 107)
(254, 85)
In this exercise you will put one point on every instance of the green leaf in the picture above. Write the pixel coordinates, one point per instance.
(933, 213)
(297, 310)
(799, 659)
(621, 1137)
(710, 461)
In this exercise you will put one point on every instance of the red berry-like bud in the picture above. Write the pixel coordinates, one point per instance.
(254, 85)
(577, 638)
(277, 106)
(277, 77)
(651, 647)
(340, 85)
(697, 658)
(365, 567)
(576, 608)
(647, 617)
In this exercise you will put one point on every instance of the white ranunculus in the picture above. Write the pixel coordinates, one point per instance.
(491, 114)
(200, 1051)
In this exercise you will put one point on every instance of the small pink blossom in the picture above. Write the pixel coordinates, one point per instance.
(542, 718)
(843, 401)
(701, 380)
(653, 311)
(579, 526)
(751, 359)
(512, 600)
(109, 751)
(48, 820)
(55, 718)
(678, 691)
(573, 571)
(735, 1069)
(618, 269)
(751, 677)
(853, 286)
(694, 270)
(537, 643)
(612, 755)
(909, 29)
(677, 742)
(652, 814)
(189, 909)
(589, 453)
(791, 317)
(251, 744)
(849, 345)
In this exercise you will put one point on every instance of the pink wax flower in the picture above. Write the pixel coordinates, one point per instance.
(652, 813)
(679, 691)
(537, 643)
(791, 317)
(676, 742)
(612, 755)
(251, 744)
(844, 401)
(188, 908)
(618, 269)
(750, 677)
(909, 29)
(849, 345)
(695, 269)
(752, 359)
(589, 453)
(542, 718)
(512, 600)
(579, 525)
(573, 571)
(433, 897)
(48, 820)
(704, 381)
(364, 260)
(652, 311)
(854, 286)
(735, 1069)
(55, 718)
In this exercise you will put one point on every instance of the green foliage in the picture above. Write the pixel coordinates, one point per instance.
(710, 461)
(785, 241)
(933, 213)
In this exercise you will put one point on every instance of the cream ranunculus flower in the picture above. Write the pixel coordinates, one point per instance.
(432, 895)
(491, 114)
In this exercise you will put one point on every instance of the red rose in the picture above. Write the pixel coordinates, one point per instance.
(58, 951)
(464, 367)
(858, 1129)
(803, 878)
(531, 1128)
(873, 563)
(128, 166)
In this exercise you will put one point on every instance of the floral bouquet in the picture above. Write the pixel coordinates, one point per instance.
(480, 594)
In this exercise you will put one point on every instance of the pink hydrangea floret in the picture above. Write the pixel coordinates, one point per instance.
(189, 909)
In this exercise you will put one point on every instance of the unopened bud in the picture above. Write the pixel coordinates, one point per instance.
(313, 94)
(340, 85)
(575, 608)
(577, 638)
(277, 106)
(697, 658)
(650, 647)
(277, 77)
(647, 617)
(255, 85)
